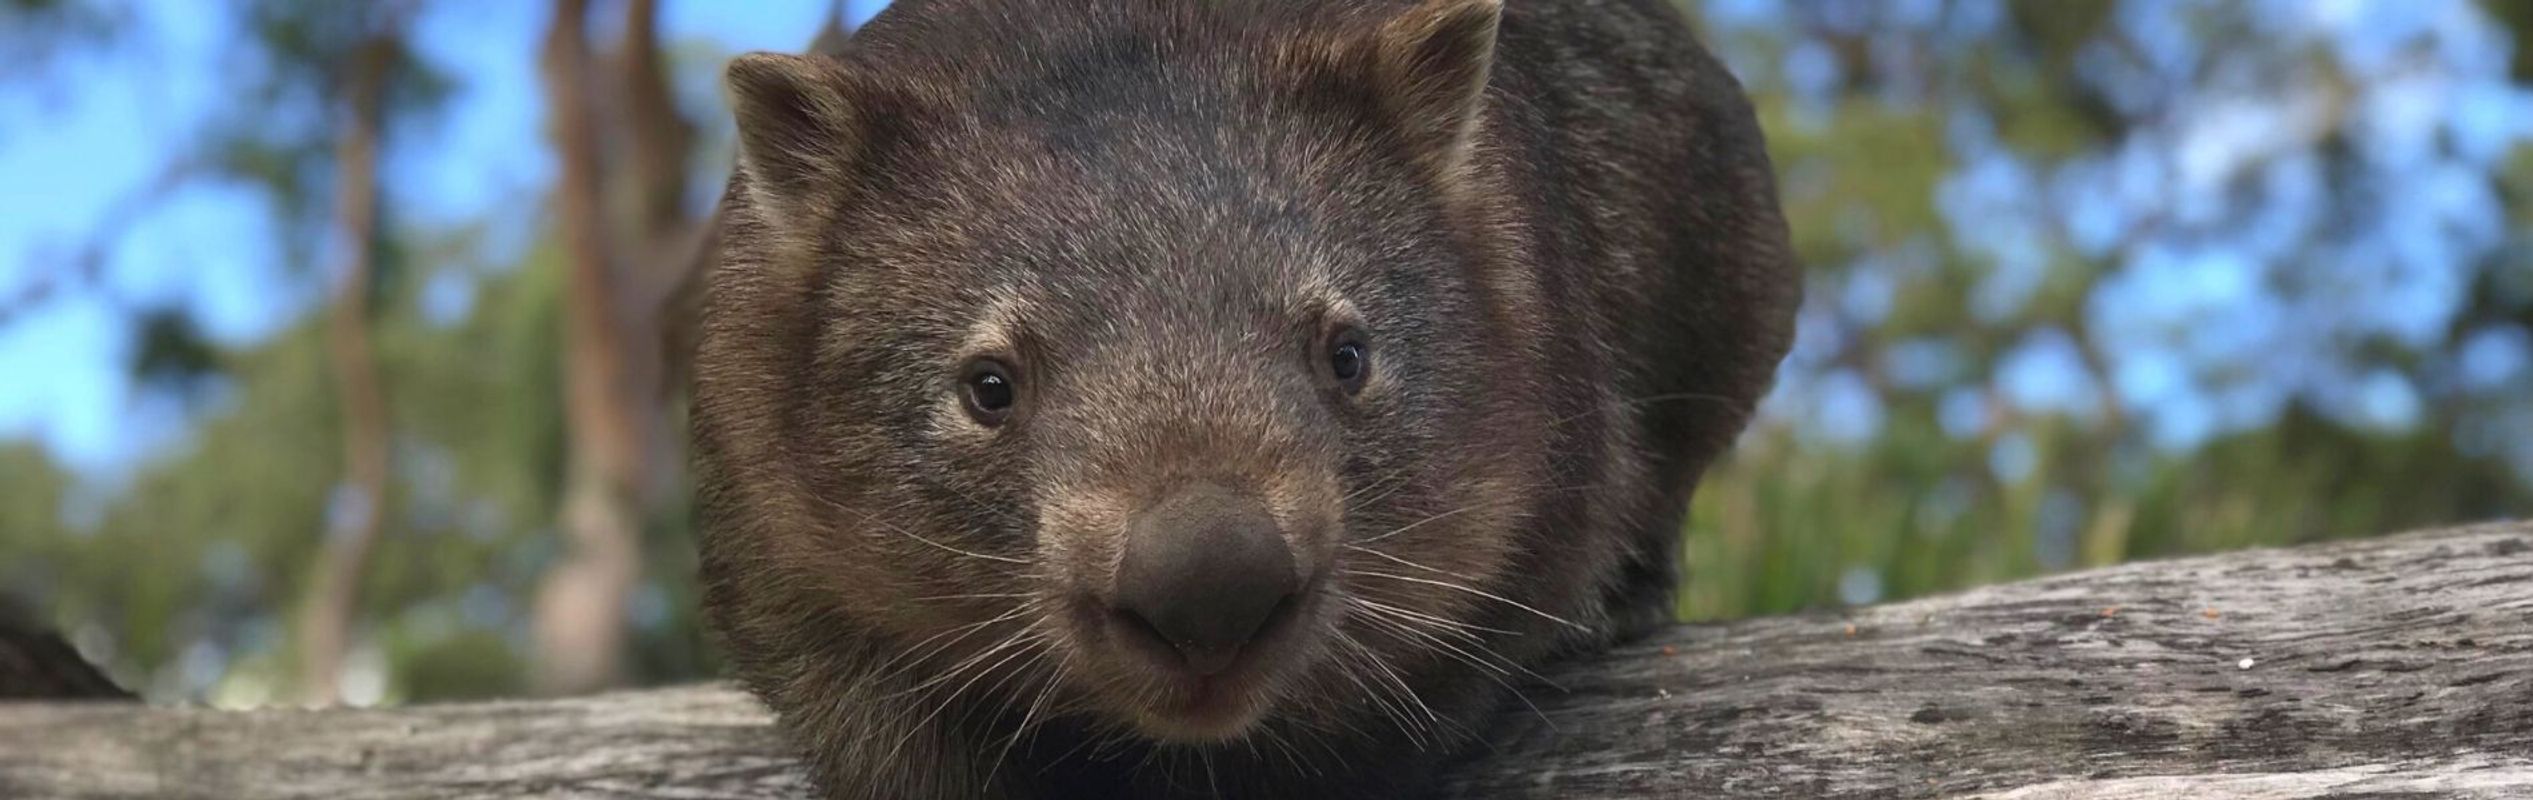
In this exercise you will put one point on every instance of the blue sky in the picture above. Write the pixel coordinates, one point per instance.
(2183, 303)
(101, 127)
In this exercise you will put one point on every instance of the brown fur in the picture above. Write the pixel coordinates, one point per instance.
(1555, 220)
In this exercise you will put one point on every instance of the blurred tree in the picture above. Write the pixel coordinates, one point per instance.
(2102, 280)
(356, 514)
(326, 81)
(623, 270)
(2092, 280)
(38, 32)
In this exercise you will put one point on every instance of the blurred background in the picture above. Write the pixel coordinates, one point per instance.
(339, 341)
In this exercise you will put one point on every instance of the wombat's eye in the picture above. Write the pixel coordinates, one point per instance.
(988, 388)
(1349, 360)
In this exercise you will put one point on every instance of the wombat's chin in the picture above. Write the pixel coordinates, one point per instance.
(1212, 710)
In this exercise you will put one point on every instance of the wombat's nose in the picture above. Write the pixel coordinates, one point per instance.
(1205, 571)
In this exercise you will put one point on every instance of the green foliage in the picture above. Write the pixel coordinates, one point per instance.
(1779, 527)
(183, 573)
(1793, 521)
(210, 541)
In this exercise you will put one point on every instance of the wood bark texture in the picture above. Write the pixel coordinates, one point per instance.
(2397, 667)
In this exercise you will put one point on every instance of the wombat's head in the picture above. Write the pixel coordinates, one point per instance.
(1166, 377)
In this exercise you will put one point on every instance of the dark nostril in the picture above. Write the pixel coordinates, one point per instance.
(1202, 651)
(1204, 573)
(1136, 633)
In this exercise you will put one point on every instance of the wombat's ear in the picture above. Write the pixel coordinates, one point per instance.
(1433, 62)
(798, 132)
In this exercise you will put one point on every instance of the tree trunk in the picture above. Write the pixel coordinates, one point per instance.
(660, 228)
(2399, 667)
(658, 137)
(357, 513)
(636, 252)
(581, 608)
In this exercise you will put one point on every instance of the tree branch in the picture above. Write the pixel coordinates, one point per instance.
(84, 266)
(2388, 667)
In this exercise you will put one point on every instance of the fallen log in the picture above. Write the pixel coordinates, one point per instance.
(2396, 667)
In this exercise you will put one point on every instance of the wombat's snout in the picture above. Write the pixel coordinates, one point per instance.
(1206, 573)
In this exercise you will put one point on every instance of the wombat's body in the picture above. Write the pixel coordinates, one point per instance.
(1156, 398)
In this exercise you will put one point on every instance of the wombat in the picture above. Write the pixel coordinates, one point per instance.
(1241, 398)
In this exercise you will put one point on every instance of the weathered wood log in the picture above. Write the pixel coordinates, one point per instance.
(2398, 667)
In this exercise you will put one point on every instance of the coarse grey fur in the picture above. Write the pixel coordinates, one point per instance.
(1554, 222)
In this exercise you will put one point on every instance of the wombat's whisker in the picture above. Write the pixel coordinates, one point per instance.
(1395, 710)
(1028, 719)
(1463, 630)
(1386, 479)
(979, 596)
(1097, 742)
(1389, 484)
(1036, 639)
(1515, 499)
(916, 654)
(1327, 739)
(1406, 691)
(1311, 710)
(1395, 714)
(1447, 626)
(1478, 592)
(1151, 753)
(954, 694)
(1463, 647)
(1008, 642)
(1484, 659)
(875, 520)
(1434, 518)
(1428, 641)
(1402, 562)
(1493, 673)
(1111, 738)
(1268, 734)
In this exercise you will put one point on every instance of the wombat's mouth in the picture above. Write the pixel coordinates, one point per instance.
(1175, 700)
